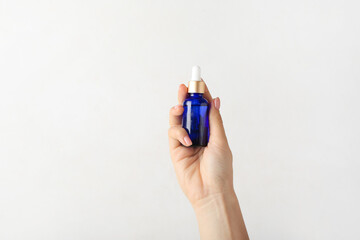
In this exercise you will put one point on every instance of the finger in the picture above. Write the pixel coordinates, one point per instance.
(175, 115)
(178, 136)
(182, 92)
(207, 94)
(217, 132)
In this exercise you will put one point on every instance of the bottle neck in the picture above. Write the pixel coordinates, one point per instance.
(196, 95)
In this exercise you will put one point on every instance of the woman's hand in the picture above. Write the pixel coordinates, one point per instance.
(202, 172)
(205, 174)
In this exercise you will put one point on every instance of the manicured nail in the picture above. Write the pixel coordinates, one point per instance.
(187, 140)
(217, 103)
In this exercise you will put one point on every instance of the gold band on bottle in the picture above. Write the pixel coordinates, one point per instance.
(196, 87)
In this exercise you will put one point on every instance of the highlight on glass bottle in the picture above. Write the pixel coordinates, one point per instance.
(196, 110)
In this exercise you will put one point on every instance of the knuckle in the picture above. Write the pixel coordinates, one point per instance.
(182, 132)
(178, 131)
(175, 131)
(170, 131)
(176, 110)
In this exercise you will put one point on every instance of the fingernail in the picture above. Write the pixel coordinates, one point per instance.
(187, 140)
(217, 103)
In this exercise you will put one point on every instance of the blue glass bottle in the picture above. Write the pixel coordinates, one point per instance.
(196, 110)
(196, 119)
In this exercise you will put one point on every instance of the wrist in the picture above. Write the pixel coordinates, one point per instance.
(215, 202)
(219, 217)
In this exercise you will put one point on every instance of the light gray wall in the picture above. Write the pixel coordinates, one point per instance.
(85, 88)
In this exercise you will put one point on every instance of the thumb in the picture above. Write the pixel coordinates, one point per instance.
(217, 131)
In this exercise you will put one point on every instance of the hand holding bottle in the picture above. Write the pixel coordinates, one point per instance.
(201, 171)
(205, 174)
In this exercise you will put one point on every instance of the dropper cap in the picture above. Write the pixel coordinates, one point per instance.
(196, 73)
(196, 85)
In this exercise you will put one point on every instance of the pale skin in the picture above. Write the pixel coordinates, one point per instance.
(205, 174)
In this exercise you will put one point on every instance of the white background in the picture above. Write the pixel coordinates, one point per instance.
(85, 89)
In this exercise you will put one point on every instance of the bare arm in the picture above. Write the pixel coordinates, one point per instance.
(220, 218)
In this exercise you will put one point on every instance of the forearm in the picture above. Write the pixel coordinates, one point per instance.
(219, 217)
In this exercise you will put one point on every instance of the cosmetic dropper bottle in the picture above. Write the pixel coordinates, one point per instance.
(196, 110)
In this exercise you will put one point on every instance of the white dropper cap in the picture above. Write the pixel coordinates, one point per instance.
(196, 73)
